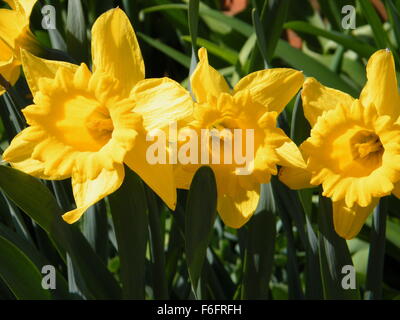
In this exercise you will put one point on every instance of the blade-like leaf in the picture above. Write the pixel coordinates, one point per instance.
(20, 273)
(227, 54)
(76, 31)
(199, 221)
(260, 248)
(193, 18)
(157, 247)
(273, 16)
(95, 227)
(334, 256)
(349, 42)
(376, 255)
(167, 50)
(61, 290)
(312, 68)
(300, 128)
(129, 211)
(36, 200)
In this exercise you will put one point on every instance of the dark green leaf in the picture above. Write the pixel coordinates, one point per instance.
(35, 199)
(260, 247)
(129, 211)
(157, 247)
(349, 42)
(199, 221)
(376, 255)
(300, 128)
(193, 18)
(334, 255)
(273, 17)
(20, 273)
(169, 51)
(76, 31)
(312, 68)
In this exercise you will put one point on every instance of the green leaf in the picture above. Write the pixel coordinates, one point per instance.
(260, 37)
(36, 200)
(300, 128)
(61, 290)
(18, 221)
(163, 7)
(236, 24)
(174, 251)
(193, 18)
(76, 31)
(199, 221)
(260, 247)
(205, 12)
(167, 50)
(376, 255)
(314, 288)
(375, 22)
(95, 227)
(157, 247)
(227, 54)
(394, 17)
(349, 42)
(334, 255)
(273, 17)
(290, 210)
(129, 212)
(20, 273)
(312, 68)
(57, 41)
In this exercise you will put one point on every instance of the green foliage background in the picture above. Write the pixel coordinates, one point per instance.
(130, 245)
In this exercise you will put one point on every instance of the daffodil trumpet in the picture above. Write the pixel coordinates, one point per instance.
(354, 147)
(86, 125)
(188, 148)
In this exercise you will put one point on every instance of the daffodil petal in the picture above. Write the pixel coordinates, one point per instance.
(349, 221)
(290, 155)
(27, 5)
(206, 81)
(19, 153)
(89, 191)
(317, 99)
(381, 88)
(36, 68)
(166, 97)
(9, 66)
(295, 178)
(272, 88)
(294, 171)
(236, 208)
(12, 23)
(115, 49)
(158, 177)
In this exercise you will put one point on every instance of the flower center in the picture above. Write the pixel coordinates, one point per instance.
(82, 122)
(100, 125)
(223, 130)
(366, 145)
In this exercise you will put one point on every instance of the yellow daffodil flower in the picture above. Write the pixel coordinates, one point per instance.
(254, 103)
(83, 124)
(14, 35)
(354, 147)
